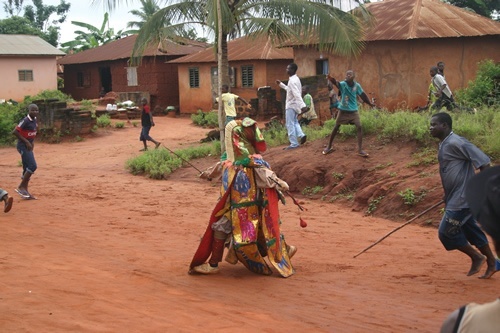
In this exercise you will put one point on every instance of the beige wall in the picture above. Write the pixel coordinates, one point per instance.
(193, 99)
(397, 72)
(44, 76)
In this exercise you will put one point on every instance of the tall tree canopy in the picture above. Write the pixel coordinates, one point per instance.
(481, 7)
(38, 19)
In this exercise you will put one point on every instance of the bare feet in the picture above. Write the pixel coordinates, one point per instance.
(490, 270)
(476, 265)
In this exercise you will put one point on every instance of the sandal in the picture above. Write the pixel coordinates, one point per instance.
(328, 151)
(8, 204)
(23, 193)
(363, 154)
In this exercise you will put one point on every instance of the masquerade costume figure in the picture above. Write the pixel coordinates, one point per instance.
(246, 217)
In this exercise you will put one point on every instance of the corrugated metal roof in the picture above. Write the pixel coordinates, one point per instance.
(26, 45)
(122, 49)
(244, 48)
(412, 19)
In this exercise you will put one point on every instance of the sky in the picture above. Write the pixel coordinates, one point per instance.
(84, 11)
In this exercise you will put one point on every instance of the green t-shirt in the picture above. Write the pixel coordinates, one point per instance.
(349, 101)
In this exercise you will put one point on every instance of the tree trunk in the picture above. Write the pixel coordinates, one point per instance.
(221, 69)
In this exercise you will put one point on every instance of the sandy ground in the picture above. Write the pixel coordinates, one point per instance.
(104, 251)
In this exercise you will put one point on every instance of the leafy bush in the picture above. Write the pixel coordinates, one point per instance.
(9, 116)
(46, 94)
(119, 124)
(485, 89)
(206, 119)
(159, 163)
(104, 120)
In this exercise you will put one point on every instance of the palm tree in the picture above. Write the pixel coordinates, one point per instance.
(309, 21)
(148, 8)
(315, 22)
(93, 37)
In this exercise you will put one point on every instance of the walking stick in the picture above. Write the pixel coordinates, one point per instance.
(401, 226)
(182, 159)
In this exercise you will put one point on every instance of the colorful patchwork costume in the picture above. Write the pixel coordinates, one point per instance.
(246, 217)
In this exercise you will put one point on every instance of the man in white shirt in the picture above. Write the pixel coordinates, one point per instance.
(294, 106)
(443, 92)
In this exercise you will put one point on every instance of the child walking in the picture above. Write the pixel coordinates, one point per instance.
(146, 123)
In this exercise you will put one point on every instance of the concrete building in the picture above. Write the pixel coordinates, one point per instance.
(28, 66)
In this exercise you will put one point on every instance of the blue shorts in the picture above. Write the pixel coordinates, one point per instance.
(27, 158)
(145, 134)
(458, 228)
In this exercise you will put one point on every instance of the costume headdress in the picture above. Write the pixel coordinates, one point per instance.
(243, 139)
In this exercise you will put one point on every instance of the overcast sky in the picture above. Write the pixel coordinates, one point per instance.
(83, 11)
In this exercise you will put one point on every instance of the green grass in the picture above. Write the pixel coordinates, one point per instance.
(159, 163)
(402, 126)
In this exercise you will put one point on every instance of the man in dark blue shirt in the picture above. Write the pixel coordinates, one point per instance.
(25, 132)
(458, 229)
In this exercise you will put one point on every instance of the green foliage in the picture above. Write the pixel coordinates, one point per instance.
(37, 20)
(87, 105)
(9, 115)
(485, 89)
(402, 126)
(408, 196)
(159, 163)
(120, 124)
(481, 7)
(79, 138)
(338, 175)
(424, 156)
(206, 119)
(135, 123)
(373, 204)
(104, 121)
(312, 190)
(93, 37)
(46, 94)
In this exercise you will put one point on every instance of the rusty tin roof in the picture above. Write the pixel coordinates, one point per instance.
(412, 19)
(122, 49)
(244, 48)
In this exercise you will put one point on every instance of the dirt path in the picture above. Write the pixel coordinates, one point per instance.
(105, 251)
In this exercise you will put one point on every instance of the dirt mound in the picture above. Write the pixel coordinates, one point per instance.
(378, 185)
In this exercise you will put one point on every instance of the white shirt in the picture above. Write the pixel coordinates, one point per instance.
(293, 94)
(438, 81)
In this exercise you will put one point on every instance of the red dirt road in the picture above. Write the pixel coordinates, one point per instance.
(105, 251)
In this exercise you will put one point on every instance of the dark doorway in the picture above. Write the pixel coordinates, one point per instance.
(106, 82)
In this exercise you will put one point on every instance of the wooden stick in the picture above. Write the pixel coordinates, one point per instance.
(401, 226)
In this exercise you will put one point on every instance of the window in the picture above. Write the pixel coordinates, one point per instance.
(132, 76)
(25, 75)
(194, 77)
(83, 79)
(247, 76)
(322, 67)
